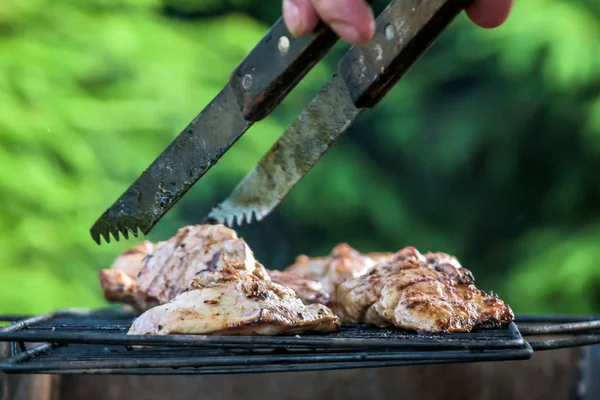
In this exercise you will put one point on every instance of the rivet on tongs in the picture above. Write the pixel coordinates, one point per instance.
(247, 82)
(283, 44)
(389, 32)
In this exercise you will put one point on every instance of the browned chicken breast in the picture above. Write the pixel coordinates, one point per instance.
(222, 269)
(236, 304)
(171, 268)
(314, 278)
(379, 257)
(430, 293)
(118, 282)
(155, 274)
(130, 262)
(343, 263)
(308, 291)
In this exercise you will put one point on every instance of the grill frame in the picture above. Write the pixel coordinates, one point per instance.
(49, 368)
(287, 353)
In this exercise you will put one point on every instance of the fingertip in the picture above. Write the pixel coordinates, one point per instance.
(352, 20)
(367, 28)
(489, 13)
(299, 16)
(353, 35)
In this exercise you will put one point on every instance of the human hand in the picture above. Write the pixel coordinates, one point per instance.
(353, 20)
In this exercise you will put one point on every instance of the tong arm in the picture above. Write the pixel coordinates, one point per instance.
(276, 65)
(405, 29)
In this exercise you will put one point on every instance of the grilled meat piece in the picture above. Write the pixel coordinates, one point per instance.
(379, 257)
(237, 304)
(118, 282)
(431, 293)
(222, 269)
(130, 262)
(152, 274)
(118, 287)
(171, 268)
(308, 290)
(342, 263)
(449, 265)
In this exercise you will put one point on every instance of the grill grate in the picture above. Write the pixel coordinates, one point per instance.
(84, 342)
(110, 327)
(96, 342)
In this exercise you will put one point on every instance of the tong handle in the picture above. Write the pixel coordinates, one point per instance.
(404, 31)
(275, 66)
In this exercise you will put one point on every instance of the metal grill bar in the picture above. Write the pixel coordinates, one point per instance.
(14, 317)
(28, 354)
(572, 327)
(397, 341)
(562, 343)
(236, 370)
(554, 318)
(25, 323)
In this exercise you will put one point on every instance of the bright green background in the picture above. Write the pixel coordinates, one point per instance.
(489, 148)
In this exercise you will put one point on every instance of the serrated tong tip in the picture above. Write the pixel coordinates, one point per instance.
(230, 215)
(103, 229)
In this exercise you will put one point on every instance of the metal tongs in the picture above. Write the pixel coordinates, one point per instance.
(404, 31)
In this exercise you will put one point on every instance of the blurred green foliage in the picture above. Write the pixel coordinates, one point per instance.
(489, 148)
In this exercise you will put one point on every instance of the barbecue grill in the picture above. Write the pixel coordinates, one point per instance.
(95, 342)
